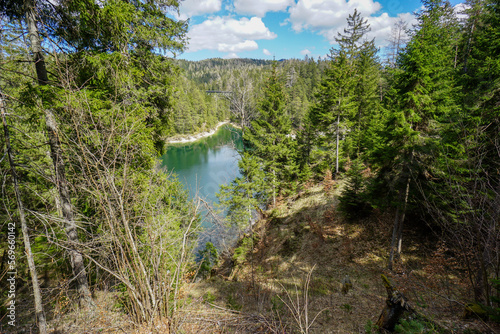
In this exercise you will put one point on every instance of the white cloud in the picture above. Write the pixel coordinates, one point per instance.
(328, 18)
(461, 11)
(226, 34)
(261, 7)
(267, 52)
(323, 14)
(190, 8)
(231, 56)
(246, 45)
(305, 52)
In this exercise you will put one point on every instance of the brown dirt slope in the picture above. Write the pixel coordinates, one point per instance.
(307, 236)
(288, 279)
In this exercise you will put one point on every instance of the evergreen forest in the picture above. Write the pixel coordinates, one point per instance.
(402, 142)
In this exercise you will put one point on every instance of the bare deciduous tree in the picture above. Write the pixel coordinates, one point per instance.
(397, 41)
(242, 99)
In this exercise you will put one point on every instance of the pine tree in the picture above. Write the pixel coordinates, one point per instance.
(347, 97)
(420, 102)
(334, 102)
(351, 40)
(352, 200)
(246, 193)
(466, 195)
(366, 98)
(269, 138)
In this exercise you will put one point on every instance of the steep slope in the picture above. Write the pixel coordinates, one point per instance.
(290, 275)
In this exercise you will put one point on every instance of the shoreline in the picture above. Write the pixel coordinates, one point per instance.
(182, 139)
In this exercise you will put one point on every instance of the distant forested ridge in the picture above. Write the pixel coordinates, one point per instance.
(244, 78)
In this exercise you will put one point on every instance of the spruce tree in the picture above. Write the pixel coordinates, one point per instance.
(334, 103)
(466, 195)
(367, 100)
(420, 102)
(269, 138)
(347, 97)
(246, 193)
(351, 41)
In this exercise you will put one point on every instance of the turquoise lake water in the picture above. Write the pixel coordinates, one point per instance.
(204, 165)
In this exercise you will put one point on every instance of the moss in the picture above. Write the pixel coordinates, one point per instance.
(474, 310)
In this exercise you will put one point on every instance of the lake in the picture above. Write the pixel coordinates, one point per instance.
(202, 166)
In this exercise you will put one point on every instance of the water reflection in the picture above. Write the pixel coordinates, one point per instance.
(204, 165)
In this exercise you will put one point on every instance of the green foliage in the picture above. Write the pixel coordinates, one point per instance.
(345, 116)
(334, 101)
(268, 163)
(245, 193)
(209, 297)
(371, 328)
(418, 106)
(116, 96)
(118, 26)
(209, 258)
(232, 303)
(410, 326)
(347, 307)
(269, 138)
(241, 252)
(111, 94)
(277, 304)
(245, 78)
(414, 326)
(353, 199)
(349, 41)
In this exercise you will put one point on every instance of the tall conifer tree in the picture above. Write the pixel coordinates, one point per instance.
(421, 100)
(269, 137)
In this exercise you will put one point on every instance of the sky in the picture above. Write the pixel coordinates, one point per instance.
(283, 29)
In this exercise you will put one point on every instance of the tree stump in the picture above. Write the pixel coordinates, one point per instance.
(396, 305)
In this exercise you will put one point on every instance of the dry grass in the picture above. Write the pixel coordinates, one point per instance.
(302, 234)
(308, 231)
(262, 294)
(106, 317)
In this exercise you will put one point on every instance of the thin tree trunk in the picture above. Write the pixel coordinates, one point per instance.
(274, 188)
(251, 236)
(468, 48)
(395, 228)
(77, 263)
(242, 121)
(456, 56)
(42, 324)
(400, 231)
(337, 148)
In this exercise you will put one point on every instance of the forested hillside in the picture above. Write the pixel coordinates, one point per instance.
(242, 81)
(418, 136)
(91, 90)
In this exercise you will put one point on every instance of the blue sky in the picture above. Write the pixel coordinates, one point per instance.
(283, 28)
